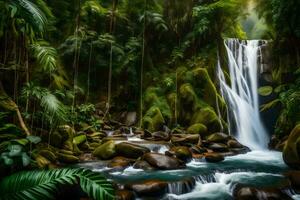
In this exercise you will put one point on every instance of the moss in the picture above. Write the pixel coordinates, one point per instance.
(209, 118)
(106, 150)
(153, 120)
(197, 129)
(66, 158)
(291, 151)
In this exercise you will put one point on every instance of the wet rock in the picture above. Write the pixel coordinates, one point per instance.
(66, 158)
(291, 151)
(273, 142)
(240, 150)
(181, 187)
(130, 150)
(294, 178)
(185, 139)
(198, 150)
(161, 161)
(183, 153)
(131, 118)
(105, 151)
(234, 144)
(217, 137)
(214, 157)
(149, 188)
(251, 193)
(141, 164)
(119, 162)
(161, 136)
(198, 128)
(218, 147)
(124, 195)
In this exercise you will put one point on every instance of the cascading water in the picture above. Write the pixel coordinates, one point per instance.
(241, 95)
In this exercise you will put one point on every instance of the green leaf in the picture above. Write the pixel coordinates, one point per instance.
(34, 139)
(25, 159)
(265, 91)
(269, 105)
(22, 141)
(36, 185)
(14, 150)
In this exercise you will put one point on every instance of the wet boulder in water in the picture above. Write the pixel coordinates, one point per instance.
(105, 151)
(251, 193)
(161, 135)
(130, 150)
(124, 195)
(161, 161)
(294, 179)
(197, 128)
(214, 157)
(119, 162)
(218, 147)
(234, 144)
(149, 188)
(291, 151)
(183, 153)
(185, 139)
(141, 164)
(218, 137)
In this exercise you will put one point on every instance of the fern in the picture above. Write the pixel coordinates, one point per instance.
(36, 185)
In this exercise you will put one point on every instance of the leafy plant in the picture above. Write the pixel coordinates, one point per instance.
(36, 185)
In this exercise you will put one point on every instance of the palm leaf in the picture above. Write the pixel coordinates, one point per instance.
(36, 185)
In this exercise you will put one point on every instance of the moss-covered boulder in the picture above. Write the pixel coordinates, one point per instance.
(181, 152)
(149, 188)
(153, 120)
(214, 157)
(161, 161)
(130, 150)
(185, 139)
(198, 128)
(209, 118)
(291, 151)
(66, 158)
(106, 150)
(218, 137)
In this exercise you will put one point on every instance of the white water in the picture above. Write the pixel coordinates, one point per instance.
(241, 95)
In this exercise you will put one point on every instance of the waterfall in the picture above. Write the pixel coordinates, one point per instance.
(241, 95)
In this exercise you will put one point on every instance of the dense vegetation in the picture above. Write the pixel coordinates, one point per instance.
(71, 69)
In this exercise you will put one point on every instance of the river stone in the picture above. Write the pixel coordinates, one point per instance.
(185, 139)
(294, 178)
(234, 144)
(124, 195)
(183, 153)
(214, 157)
(141, 164)
(119, 162)
(218, 147)
(149, 188)
(130, 150)
(251, 193)
(105, 151)
(161, 135)
(161, 161)
(291, 151)
(217, 137)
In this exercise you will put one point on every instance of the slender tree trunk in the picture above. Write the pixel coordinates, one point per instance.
(89, 73)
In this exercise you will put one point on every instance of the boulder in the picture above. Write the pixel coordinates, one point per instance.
(291, 151)
(161, 161)
(149, 188)
(66, 158)
(183, 153)
(185, 139)
(294, 178)
(161, 136)
(124, 195)
(218, 147)
(119, 162)
(105, 151)
(251, 193)
(218, 137)
(234, 144)
(130, 150)
(197, 128)
(141, 164)
(214, 157)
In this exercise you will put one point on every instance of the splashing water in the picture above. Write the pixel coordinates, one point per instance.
(241, 95)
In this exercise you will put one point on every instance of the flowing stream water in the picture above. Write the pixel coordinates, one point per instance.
(215, 181)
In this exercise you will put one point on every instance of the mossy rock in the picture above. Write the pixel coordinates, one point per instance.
(198, 128)
(42, 162)
(66, 158)
(56, 139)
(105, 151)
(291, 151)
(129, 150)
(153, 120)
(79, 139)
(218, 137)
(48, 154)
(209, 118)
